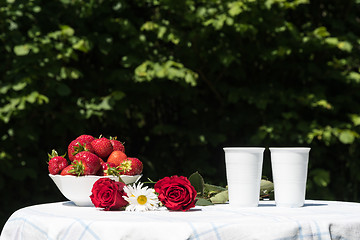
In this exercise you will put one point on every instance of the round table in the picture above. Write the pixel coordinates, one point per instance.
(64, 220)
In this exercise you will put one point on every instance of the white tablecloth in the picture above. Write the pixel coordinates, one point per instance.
(63, 220)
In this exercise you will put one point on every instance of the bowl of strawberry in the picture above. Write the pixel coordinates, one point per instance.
(90, 159)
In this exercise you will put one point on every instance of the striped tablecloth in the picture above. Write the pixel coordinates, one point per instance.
(63, 220)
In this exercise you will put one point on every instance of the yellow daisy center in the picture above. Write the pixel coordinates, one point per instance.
(142, 199)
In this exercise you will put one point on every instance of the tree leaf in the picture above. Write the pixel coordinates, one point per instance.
(321, 177)
(22, 50)
(347, 137)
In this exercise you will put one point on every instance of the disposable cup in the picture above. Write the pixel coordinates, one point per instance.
(289, 169)
(243, 172)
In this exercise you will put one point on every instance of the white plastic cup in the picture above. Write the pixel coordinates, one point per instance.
(289, 169)
(243, 172)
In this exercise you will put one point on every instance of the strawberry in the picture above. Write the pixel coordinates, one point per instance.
(69, 170)
(56, 163)
(131, 166)
(85, 138)
(117, 157)
(86, 163)
(108, 169)
(78, 145)
(102, 147)
(117, 145)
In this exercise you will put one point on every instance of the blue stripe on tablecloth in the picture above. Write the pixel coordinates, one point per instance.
(87, 229)
(301, 237)
(195, 235)
(318, 230)
(67, 230)
(216, 231)
(319, 234)
(86, 226)
(243, 212)
(213, 230)
(31, 224)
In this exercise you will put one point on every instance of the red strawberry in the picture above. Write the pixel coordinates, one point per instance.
(117, 145)
(78, 145)
(69, 170)
(103, 167)
(108, 169)
(131, 166)
(102, 147)
(117, 157)
(85, 138)
(86, 163)
(56, 163)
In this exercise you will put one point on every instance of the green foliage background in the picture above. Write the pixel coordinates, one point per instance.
(177, 81)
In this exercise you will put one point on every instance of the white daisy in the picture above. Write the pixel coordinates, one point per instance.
(140, 198)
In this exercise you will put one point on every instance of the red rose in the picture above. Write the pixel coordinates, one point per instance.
(176, 193)
(108, 194)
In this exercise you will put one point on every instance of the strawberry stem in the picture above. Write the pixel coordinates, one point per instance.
(78, 168)
(126, 166)
(79, 148)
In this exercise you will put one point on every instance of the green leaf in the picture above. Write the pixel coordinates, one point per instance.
(321, 32)
(347, 136)
(63, 90)
(67, 30)
(321, 177)
(266, 187)
(118, 95)
(332, 41)
(213, 188)
(82, 45)
(354, 77)
(190, 78)
(345, 46)
(235, 8)
(355, 119)
(221, 197)
(198, 182)
(36, 9)
(19, 86)
(203, 202)
(322, 103)
(22, 50)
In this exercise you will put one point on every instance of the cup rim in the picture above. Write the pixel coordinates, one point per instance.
(293, 149)
(249, 149)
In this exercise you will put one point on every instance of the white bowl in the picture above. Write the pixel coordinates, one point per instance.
(78, 189)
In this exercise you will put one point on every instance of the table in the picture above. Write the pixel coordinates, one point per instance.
(63, 220)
